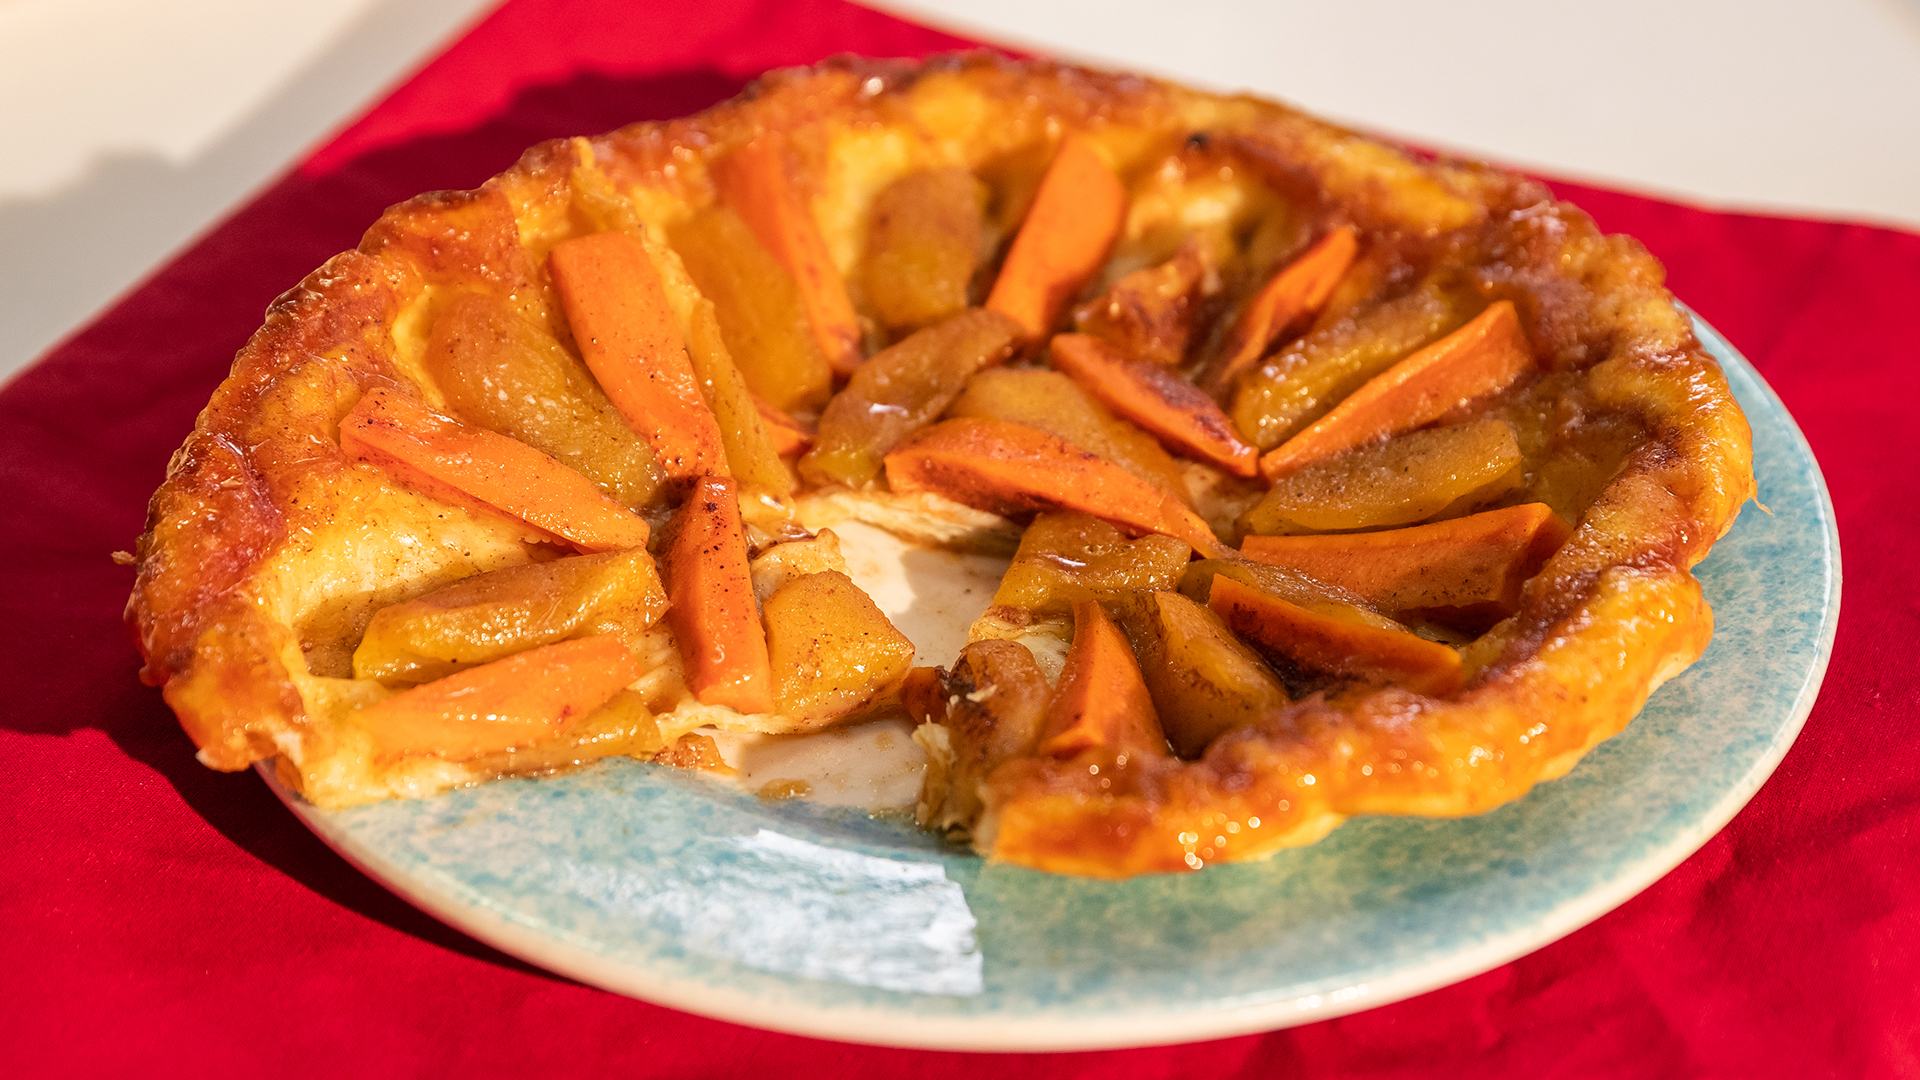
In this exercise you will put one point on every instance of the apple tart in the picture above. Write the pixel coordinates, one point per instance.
(1331, 479)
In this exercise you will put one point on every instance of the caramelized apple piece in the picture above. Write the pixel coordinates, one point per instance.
(900, 390)
(1051, 402)
(782, 563)
(1319, 641)
(1066, 558)
(489, 616)
(755, 182)
(1441, 472)
(1148, 315)
(595, 199)
(923, 246)
(1296, 588)
(752, 448)
(1301, 382)
(1102, 703)
(831, 648)
(986, 711)
(762, 319)
(504, 372)
(1467, 569)
(1484, 357)
(1203, 680)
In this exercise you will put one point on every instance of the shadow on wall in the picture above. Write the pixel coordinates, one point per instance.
(1909, 11)
(66, 255)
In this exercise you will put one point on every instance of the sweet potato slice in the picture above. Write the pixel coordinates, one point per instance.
(445, 457)
(751, 456)
(1471, 567)
(1101, 702)
(900, 390)
(754, 181)
(1049, 401)
(1319, 641)
(627, 335)
(1008, 469)
(1072, 224)
(1483, 357)
(1156, 399)
(1288, 300)
(710, 601)
(512, 702)
(507, 373)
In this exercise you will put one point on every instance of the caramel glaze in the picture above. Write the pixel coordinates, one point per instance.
(1628, 429)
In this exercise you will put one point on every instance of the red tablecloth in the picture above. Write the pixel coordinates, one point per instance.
(159, 918)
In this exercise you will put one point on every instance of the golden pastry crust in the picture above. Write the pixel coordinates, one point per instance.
(268, 549)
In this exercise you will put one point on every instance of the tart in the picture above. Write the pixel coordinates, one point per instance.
(1332, 479)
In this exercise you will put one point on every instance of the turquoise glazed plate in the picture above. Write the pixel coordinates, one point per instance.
(820, 920)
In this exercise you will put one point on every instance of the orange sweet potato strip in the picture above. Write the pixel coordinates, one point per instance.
(1075, 217)
(788, 436)
(1006, 468)
(1102, 701)
(389, 429)
(618, 311)
(1170, 407)
(1288, 299)
(512, 702)
(710, 602)
(1322, 642)
(1474, 562)
(1483, 357)
(753, 180)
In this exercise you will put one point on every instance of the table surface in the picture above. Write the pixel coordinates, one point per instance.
(162, 918)
(149, 122)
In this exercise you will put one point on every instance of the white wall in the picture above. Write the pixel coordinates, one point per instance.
(130, 125)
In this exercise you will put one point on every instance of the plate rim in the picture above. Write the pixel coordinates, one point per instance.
(897, 1027)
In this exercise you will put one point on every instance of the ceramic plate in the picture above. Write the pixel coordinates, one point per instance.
(826, 921)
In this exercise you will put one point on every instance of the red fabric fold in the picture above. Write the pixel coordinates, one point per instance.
(160, 919)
